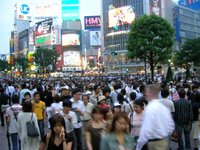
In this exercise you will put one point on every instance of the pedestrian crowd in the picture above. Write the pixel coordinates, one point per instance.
(108, 114)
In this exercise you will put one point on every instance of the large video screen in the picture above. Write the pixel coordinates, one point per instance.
(71, 39)
(120, 16)
(72, 58)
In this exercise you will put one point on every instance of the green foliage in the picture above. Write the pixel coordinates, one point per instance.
(21, 61)
(4, 65)
(169, 76)
(45, 57)
(150, 38)
(190, 52)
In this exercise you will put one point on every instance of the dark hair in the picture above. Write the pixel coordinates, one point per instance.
(95, 87)
(15, 99)
(139, 103)
(123, 91)
(67, 103)
(85, 95)
(132, 95)
(181, 93)
(116, 118)
(27, 106)
(105, 90)
(76, 90)
(55, 119)
(97, 110)
(27, 93)
(56, 98)
(120, 98)
(165, 92)
(36, 93)
(1, 90)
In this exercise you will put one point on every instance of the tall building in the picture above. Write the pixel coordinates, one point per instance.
(186, 24)
(193, 4)
(117, 16)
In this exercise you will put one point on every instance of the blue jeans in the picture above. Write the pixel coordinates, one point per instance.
(41, 127)
(15, 141)
(186, 129)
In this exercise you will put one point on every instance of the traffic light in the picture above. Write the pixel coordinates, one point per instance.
(114, 53)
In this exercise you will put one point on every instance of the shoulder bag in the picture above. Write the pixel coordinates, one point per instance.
(32, 131)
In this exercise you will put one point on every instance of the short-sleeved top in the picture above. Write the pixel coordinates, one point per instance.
(52, 146)
(38, 108)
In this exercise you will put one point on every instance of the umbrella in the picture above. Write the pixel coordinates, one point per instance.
(8, 138)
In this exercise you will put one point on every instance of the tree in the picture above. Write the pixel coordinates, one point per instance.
(21, 62)
(150, 39)
(45, 57)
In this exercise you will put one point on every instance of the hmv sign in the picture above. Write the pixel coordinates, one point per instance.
(92, 22)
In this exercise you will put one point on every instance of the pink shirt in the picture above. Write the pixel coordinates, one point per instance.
(136, 122)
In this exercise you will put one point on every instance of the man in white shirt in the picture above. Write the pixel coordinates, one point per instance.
(158, 124)
(22, 92)
(79, 109)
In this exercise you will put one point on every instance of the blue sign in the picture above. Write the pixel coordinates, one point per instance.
(24, 9)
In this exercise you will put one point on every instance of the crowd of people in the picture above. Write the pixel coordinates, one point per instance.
(108, 114)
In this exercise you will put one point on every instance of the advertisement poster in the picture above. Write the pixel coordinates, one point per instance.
(72, 58)
(120, 16)
(71, 39)
(155, 7)
(43, 27)
(92, 22)
(95, 38)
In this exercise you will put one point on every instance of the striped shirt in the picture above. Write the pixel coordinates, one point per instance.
(183, 112)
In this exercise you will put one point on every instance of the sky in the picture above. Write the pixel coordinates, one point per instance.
(87, 8)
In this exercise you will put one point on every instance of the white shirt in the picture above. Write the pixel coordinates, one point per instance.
(88, 110)
(21, 94)
(56, 108)
(13, 125)
(70, 124)
(158, 123)
(10, 89)
(80, 105)
(168, 103)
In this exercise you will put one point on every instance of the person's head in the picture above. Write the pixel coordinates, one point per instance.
(109, 114)
(132, 96)
(36, 96)
(64, 92)
(106, 91)
(151, 91)
(56, 98)
(85, 99)
(27, 95)
(117, 107)
(67, 105)
(123, 91)
(101, 100)
(76, 93)
(120, 98)
(23, 86)
(120, 123)
(138, 106)
(181, 93)
(97, 88)
(15, 99)
(57, 124)
(97, 113)
(165, 92)
(27, 106)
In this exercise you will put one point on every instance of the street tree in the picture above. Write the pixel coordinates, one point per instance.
(150, 39)
(45, 57)
(22, 63)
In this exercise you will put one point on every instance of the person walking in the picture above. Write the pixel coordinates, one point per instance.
(27, 143)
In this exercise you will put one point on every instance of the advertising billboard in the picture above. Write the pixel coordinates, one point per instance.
(43, 40)
(92, 22)
(43, 27)
(71, 39)
(72, 58)
(70, 10)
(95, 38)
(120, 16)
(24, 11)
(155, 7)
(47, 10)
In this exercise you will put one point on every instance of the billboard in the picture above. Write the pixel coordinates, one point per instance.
(95, 38)
(47, 10)
(43, 27)
(24, 11)
(70, 10)
(120, 16)
(43, 40)
(92, 22)
(155, 7)
(71, 39)
(72, 58)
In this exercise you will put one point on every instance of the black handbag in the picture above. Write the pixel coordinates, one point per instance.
(32, 131)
